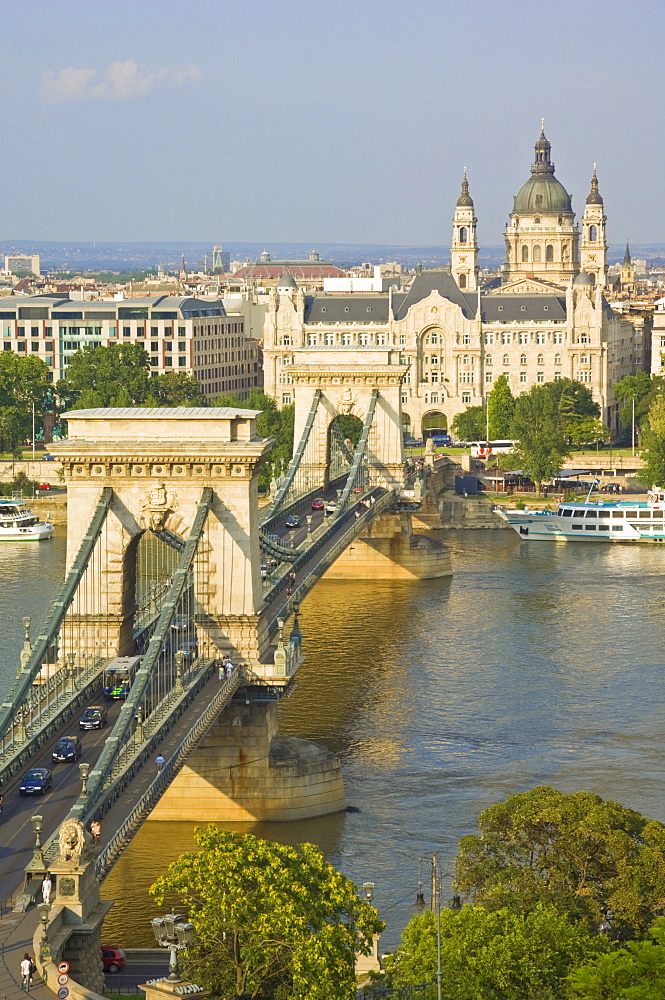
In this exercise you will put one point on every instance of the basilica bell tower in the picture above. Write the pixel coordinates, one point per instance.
(464, 247)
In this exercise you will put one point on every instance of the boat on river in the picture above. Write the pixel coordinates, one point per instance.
(592, 520)
(19, 524)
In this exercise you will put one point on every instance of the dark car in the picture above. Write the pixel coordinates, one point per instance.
(67, 749)
(37, 781)
(93, 718)
(318, 503)
(113, 958)
(292, 521)
(190, 650)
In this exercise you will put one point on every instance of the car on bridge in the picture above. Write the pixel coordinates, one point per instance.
(292, 521)
(318, 503)
(68, 748)
(94, 717)
(36, 781)
(190, 650)
(331, 507)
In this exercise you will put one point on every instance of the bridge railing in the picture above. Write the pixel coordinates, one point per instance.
(116, 845)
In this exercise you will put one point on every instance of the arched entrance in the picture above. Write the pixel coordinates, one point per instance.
(433, 421)
(343, 436)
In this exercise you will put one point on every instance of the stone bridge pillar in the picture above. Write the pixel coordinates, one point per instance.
(157, 461)
(347, 389)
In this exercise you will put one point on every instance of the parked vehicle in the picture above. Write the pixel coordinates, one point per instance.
(36, 781)
(67, 749)
(94, 717)
(113, 958)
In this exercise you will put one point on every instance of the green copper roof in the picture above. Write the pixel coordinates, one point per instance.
(542, 192)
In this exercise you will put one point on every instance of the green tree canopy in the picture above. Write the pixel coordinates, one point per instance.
(108, 371)
(573, 398)
(470, 424)
(642, 388)
(501, 403)
(539, 429)
(586, 430)
(636, 972)
(493, 955)
(576, 852)
(271, 921)
(653, 442)
(175, 389)
(23, 382)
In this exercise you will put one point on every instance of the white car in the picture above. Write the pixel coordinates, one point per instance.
(331, 507)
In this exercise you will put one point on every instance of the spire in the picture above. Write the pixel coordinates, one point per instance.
(626, 257)
(465, 198)
(594, 197)
(542, 163)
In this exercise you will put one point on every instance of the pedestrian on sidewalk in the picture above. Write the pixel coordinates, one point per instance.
(26, 972)
(159, 761)
(221, 671)
(96, 831)
(46, 888)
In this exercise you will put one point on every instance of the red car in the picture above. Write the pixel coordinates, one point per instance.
(318, 503)
(44, 487)
(113, 958)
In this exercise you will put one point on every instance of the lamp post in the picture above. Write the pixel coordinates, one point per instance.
(84, 771)
(44, 946)
(368, 889)
(179, 663)
(38, 855)
(174, 933)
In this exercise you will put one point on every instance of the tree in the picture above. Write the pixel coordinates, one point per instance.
(576, 852)
(496, 955)
(537, 426)
(23, 384)
(573, 398)
(175, 389)
(586, 430)
(501, 405)
(653, 440)
(644, 390)
(108, 371)
(271, 920)
(470, 424)
(636, 972)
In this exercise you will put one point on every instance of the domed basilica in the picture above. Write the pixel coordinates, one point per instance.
(547, 319)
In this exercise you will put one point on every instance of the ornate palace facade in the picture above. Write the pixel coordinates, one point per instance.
(549, 318)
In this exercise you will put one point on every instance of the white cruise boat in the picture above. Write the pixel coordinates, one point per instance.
(592, 521)
(19, 524)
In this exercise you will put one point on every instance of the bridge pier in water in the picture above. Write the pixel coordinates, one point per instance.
(389, 549)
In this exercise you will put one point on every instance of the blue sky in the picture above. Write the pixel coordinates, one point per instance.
(319, 122)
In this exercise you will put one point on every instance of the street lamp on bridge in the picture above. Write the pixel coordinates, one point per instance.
(174, 933)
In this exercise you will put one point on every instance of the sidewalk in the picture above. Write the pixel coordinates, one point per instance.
(16, 933)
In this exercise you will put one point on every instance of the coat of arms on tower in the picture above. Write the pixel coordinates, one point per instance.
(346, 401)
(157, 503)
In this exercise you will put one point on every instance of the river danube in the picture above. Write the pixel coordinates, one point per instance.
(535, 663)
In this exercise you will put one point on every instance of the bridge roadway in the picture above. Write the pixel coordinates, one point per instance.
(17, 830)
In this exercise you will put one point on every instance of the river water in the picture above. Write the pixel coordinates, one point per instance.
(535, 663)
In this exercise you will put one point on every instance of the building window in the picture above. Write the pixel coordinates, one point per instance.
(462, 280)
(286, 341)
(182, 362)
(525, 254)
(505, 338)
(402, 339)
(584, 339)
(466, 360)
(522, 376)
(154, 331)
(488, 376)
(181, 330)
(489, 338)
(312, 340)
(404, 399)
(584, 376)
(558, 337)
(168, 345)
(286, 399)
(466, 399)
(549, 253)
(434, 360)
(182, 346)
(506, 359)
(584, 359)
(432, 339)
(541, 338)
(524, 338)
(536, 254)
(434, 397)
(466, 377)
(541, 359)
(35, 345)
(347, 339)
(522, 359)
(593, 234)
(466, 338)
(488, 360)
(154, 346)
(557, 359)
(435, 377)
(540, 377)
(557, 376)
(463, 234)
(364, 339)
(329, 339)
(382, 339)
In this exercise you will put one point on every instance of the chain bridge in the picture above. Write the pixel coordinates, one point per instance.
(172, 568)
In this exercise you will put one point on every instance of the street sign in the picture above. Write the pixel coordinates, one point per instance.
(63, 993)
(63, 967)
(63, 979)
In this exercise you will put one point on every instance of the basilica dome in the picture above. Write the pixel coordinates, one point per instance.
(542, 192)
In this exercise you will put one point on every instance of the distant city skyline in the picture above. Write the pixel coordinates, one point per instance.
(310, 123)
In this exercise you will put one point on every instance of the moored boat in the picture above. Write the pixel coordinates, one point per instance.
(19, 524)
(592, 520)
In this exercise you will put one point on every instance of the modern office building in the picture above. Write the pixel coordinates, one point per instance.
(180, 334)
